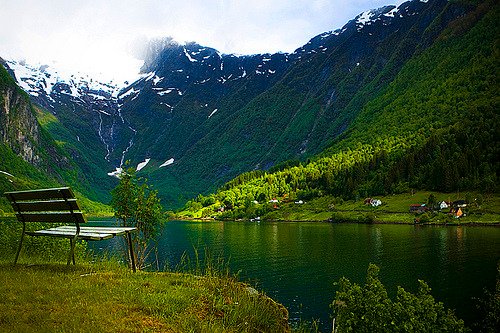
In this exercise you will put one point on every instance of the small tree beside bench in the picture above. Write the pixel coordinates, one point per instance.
(59, 205)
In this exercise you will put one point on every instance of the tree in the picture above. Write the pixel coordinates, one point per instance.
(490, 308)
(369, 309)
(431, 201)
(137, 205)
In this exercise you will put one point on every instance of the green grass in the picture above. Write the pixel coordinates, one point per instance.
(102, 297)
(43, 294)
(394, 209)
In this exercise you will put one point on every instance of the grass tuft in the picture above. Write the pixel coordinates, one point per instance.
(102, 297)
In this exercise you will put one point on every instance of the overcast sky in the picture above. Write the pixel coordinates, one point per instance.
(96, 36)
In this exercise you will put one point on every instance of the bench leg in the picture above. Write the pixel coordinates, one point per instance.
(131, 251)
(20, 244)
(71, 256)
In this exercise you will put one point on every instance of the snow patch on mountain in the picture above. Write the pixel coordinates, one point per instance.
(167, 163)
(364, 17)
(128, 92)
(212, 113)
(149, 76)
(39, 80)
(141, 165)
(161, 92)
(189, 56)
(392, 12)
(157, 80)
(117, 173)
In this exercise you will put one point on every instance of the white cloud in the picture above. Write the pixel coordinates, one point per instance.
(100, 36)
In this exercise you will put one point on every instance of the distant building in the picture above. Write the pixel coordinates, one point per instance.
(459, 203)
(372, 202)
(418, 208)
(456, 212)
(274, 201)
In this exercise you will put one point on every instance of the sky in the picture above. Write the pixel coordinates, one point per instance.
(102, 38)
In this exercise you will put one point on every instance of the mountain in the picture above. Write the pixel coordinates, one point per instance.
(218, 116)
(197, 118)
(435, 126)
(82, 114)
(29, 156)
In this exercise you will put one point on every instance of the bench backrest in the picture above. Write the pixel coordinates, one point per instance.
(53, 205)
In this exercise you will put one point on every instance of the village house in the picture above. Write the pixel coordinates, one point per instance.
(274, 201)
(459, 203)
(444, 205)
(373, 202)
(418, 208)
(457, 212)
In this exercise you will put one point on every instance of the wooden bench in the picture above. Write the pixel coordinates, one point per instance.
(59, 205)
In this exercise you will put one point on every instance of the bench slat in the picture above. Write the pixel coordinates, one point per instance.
(87, 233)
(110, 230)
(48, 206)
(69, 234)
(52, 217)
(50, 193)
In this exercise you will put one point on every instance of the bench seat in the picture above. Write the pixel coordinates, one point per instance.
(86, 233)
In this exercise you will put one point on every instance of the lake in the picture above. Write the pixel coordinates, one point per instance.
(297, 263)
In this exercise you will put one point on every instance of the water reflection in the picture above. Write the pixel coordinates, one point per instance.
(297, 263)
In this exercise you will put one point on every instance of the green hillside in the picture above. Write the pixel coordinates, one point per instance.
(29, 156)
(435, 126)
(307, 110)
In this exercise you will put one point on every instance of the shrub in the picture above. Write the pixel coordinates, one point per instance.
(368, 308)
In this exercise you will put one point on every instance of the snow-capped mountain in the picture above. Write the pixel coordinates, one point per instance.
(210, 116)
(89, 120)
(193, 86)
(48, 81)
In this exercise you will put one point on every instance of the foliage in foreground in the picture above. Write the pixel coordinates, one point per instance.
(137, 205)
(368, 308)
(101, 298)
(490, 307)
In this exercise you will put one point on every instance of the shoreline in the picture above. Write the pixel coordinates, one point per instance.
(467, 223)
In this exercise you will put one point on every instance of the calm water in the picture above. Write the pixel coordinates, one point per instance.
(298, 263)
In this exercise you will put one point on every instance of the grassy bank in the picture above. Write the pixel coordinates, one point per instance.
(394, 209)
(43, 294)
(107, 298)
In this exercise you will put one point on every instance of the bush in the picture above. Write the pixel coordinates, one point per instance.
(489, 306)
(369, 309)
(370, 218)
